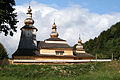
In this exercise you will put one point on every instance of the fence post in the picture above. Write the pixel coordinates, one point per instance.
(112, 57)
(96, 57)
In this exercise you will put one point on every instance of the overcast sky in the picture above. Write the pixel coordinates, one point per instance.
(73, 17)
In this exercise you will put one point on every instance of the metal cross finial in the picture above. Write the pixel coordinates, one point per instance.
(54, 21)
(79, 37)
(29, 4)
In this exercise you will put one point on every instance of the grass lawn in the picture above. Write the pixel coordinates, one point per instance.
(90, 71)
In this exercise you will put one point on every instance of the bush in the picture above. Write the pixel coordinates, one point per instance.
(3, 53)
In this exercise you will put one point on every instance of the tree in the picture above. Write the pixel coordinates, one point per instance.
(3, 53)
(106, 44)
(7, 17)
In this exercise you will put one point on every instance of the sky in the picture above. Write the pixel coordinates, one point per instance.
(95, 6)
(72, 17)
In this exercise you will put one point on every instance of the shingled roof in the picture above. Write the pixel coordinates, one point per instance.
(42, 44)
(26, 52)
(54, 39)
(29, 27)
(83, 55)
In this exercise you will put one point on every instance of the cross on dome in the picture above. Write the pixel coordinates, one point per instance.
(29, 20)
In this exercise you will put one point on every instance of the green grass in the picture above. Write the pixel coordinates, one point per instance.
(90, 71)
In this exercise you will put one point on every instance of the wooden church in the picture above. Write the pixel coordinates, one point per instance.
(53, 48)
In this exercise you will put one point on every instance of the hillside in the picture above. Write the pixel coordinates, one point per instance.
(106, 43)
(90, 71)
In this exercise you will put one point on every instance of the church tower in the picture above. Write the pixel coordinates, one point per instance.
(28, 33)
(54, 36)
(54, 31)
(55, 46)
(28, 44)
(79, 47)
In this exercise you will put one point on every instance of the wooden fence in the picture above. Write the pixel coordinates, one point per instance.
(69, 61)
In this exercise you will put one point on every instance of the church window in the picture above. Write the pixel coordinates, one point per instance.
(59, 52)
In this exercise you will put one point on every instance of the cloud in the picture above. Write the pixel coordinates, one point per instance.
(71, 21)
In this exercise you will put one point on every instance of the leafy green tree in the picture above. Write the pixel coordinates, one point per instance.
(74, 47)
(7, 17)
(3, 53)
(106, 44)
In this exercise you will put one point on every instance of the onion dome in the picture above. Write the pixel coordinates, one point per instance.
(54, 26)
(79, 41)
(79, 45)
(29, 20)
(54, 31)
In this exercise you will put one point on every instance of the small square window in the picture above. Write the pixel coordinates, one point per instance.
(59, 52)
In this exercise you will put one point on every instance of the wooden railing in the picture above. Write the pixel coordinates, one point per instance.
(69, 61)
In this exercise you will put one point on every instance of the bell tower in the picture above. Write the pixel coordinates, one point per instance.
(28, 43)
(28, 33)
